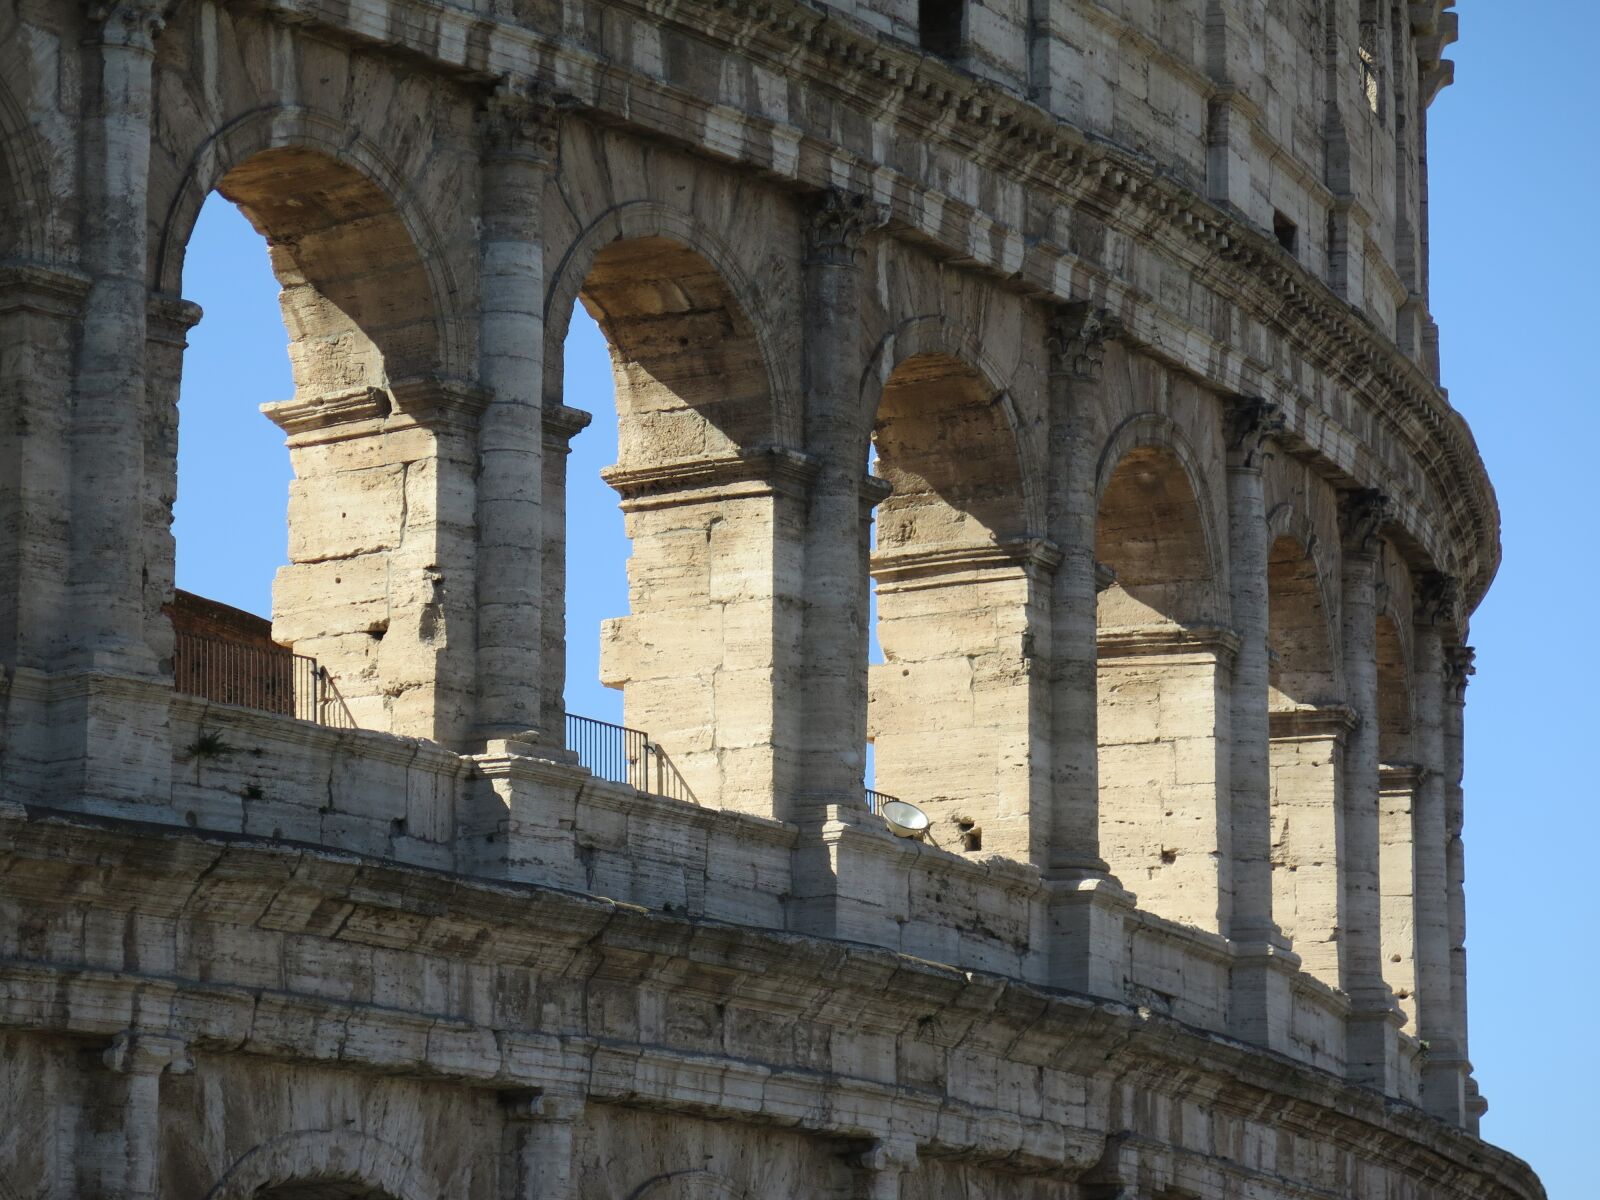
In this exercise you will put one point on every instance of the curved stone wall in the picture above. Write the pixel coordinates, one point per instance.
(1112, 316)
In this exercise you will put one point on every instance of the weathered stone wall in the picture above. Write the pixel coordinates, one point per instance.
(1113, 317)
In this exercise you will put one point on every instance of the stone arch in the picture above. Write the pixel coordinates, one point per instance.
(708, 492)
(1159, 525)
(1162, 665)
(690, 1185)
(362, 185)
(962, 586)
(933, 339)
(381, 596)
(1301, 632)
(310, 1163)
(645, 223)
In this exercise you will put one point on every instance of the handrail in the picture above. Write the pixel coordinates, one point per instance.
(619, 754)
(875, 800)
(269, 678)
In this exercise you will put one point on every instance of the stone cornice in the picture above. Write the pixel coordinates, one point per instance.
(1011, 137)
(1313, 721)
(1168, 641)
(954, 563)
(182, 878)
(695, 480)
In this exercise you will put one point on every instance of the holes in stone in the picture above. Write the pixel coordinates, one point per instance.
(1286, 231)
(939, 26)
(971, 834)
(1168, 857)
(377, 629)
(397, 827)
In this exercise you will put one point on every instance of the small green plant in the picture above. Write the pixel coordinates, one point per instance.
(210, 744)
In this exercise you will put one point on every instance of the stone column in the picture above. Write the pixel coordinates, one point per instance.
(108, 721)
(537, 1145)
(1371, 1051)
(1443, 1073)
(120, 1160)
(1259, 1004)
(105, 571)
(1458, 669)
(39, 318)
(834, 692)
(1087, 948)
(561, 425)
(882, 1167)
(520, 143)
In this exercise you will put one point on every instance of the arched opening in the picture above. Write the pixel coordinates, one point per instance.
(1308, 726)
(324, 1189)
(713, 509)
(371, 616)
(1399, 780)
(1163, 689)
(960, 588)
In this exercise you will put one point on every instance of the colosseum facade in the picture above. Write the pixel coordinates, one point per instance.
(1095, 333)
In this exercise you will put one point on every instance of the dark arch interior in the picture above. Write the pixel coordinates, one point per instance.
(944, 443)
(1297, 630)
(356, 300)
(323, 1189)
(691, 380)
(1394, 695)
(1150, 534)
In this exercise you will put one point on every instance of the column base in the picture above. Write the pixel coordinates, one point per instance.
(1372, 1040)
(1260, 989)
(1445, 1075)
(1088, 946)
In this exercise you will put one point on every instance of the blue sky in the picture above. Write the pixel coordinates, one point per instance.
(1515, 265)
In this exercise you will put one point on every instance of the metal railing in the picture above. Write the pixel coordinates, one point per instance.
(268, 678)
(875, 800)
(622, 755)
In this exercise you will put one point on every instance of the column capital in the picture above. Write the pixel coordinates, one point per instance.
(1076, 337)
(543, 1106)
(1251, 425)
(1458, 667)
(560, 423)
(135, 1053)
(134, 24)
(1362, 515)
(837, 224)
(521, 121)
(1438, 601)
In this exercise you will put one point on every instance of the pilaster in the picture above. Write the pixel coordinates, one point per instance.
(882, 1167)
(1259, 1006)
(537, 1145)
(1088, 944)
(519, 129)
(561, 424)
(832, 727)
(1374, 1020)
(1458, 662)
(835, 586)
(120, 1159)
(1444, 1072)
